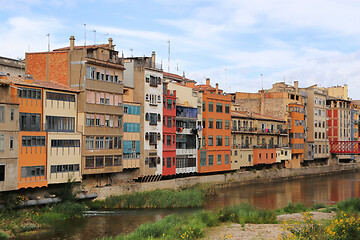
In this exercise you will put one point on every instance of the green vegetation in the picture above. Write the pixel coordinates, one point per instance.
(193, 197)
(193, 226)
(15, 221)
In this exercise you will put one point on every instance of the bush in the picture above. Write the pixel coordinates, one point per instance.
(154, 199)
(245, 213)
(349, 205)
(344, 226)
(4, 235)
(295, 208)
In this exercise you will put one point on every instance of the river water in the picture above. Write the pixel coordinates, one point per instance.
(322, 189)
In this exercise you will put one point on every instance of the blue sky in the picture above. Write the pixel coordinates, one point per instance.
(231, 41)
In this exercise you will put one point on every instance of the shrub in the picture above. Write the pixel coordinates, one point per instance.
(4, 235)
(294, 208)
(245, 213)
(344, 226)
(309, 229)
(349, 205)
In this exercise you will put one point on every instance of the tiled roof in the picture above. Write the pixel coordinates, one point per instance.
(254, 115)
(205, 88)
(172, 75)
(37, 83)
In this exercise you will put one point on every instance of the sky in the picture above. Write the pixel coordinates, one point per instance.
(243, 45)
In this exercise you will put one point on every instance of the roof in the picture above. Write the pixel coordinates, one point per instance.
(36, 83)
(253, 115)
(178, 77)
(82, 47)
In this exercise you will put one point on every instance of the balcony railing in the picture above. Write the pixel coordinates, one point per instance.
(263, 146)
(259, 131)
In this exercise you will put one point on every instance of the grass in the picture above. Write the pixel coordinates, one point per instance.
(193, 197)
(193, 226)
(16, 221)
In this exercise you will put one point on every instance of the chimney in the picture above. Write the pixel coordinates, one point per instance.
(153, 59)
(207, 81)
(110, 43)
(296, 85)
(72, 42)
(217, 88)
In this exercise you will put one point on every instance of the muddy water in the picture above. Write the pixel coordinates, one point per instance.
(323, 189)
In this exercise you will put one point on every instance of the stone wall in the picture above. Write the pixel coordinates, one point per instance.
(228, 179)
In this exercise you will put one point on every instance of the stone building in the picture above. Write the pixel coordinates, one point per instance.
(281, 101)
(96, 71)
(257, 139)
(145, 76)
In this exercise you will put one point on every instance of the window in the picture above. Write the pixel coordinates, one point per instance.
(227, 141)
(211, 160)
(211, 125)
(89, 162)
(219, 140)
(29, 93)
(169, 104)
(90, 72)
(219, 107)
(218, 123)
(227, 159)
(2, 173)
(203, 106)
(211, 107)
(60, 124)
(153, 81)
(169, 122)
(99, 161)
(218, 161)
(2, 113)
(33, 141)
(99, 143)
(168, 162)
(203, 141)
(227, 124)
(168, 140)
(90, 142)
(210, 140)
(153, 119)
(60, 96)
(30, 122)
(32, 171)
(202, 158)
(12, 114)
(153, 138)
(227, 108)
(11, 143)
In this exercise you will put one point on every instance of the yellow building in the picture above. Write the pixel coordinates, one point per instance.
(63, 143)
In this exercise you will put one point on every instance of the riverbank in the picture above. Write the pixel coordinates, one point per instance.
(340, 221)
(227, 179)
(15, 221)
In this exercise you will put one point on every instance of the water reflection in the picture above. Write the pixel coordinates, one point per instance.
(323, 189)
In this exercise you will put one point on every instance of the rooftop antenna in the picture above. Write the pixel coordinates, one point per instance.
(262, 81)
(94, 37)
(168, 55)
(132, 52)
(48, 35)
(29, 48)
(107, 34)
(226, 80)
(84, 34)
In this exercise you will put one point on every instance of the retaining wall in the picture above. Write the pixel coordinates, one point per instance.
(228, 179)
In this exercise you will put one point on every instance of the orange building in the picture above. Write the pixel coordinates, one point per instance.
(215, 151)
(296, 134)
(32, 159)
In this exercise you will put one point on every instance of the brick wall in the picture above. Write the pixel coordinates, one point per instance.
(36, 64)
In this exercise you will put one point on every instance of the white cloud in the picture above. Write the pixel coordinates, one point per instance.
(19, 34)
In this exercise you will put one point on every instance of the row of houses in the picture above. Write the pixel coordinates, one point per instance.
(85, 113)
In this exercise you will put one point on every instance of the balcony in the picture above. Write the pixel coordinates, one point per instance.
(150, 64)
(259, 131)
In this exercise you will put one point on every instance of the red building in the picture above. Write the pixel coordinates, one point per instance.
(169, 132)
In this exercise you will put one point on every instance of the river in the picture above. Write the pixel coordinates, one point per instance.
(322, 189)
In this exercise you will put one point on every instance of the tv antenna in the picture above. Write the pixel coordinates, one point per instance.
(48, 35)
(168, 55)
(84, 34)
(94, 37)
